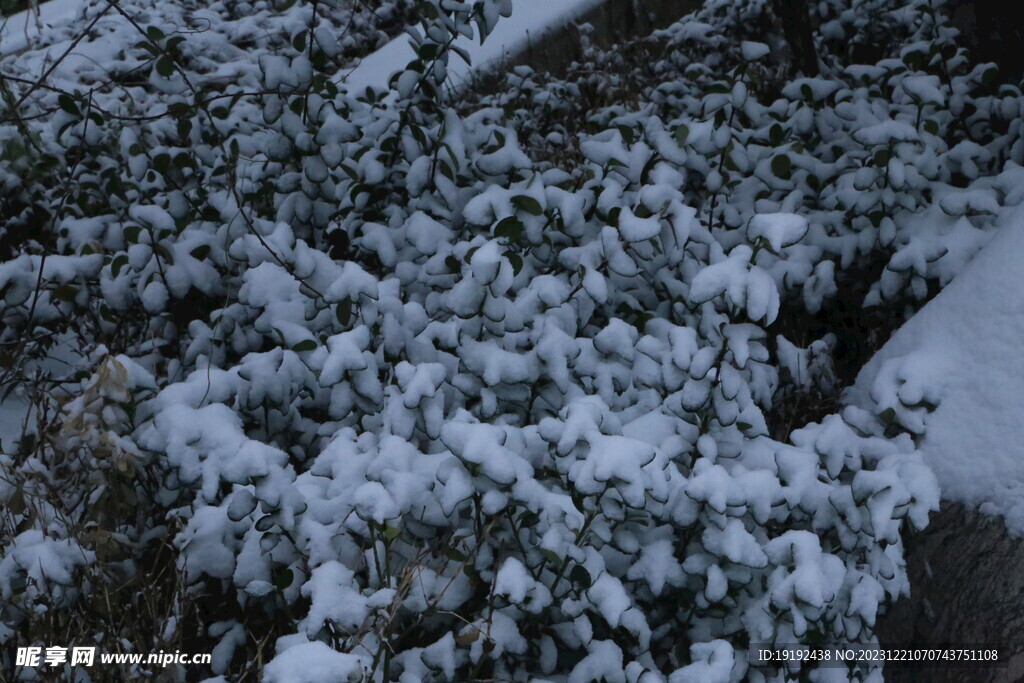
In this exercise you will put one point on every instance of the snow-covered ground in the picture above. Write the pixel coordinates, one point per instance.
(18, 29)
(963, 354)
(532, 22)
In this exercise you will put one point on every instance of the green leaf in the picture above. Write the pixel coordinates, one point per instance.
(162, 163)
(682, 133)
(527, 204)
(931, 126)
(283, 579)
(887, 416)
(550, 555)
(914, 59)
(305, 345)
(782, 167)
(452, 263)
(510, 228)
(427, 51)
(640, 322)
(453, 554)
(154, 34)
(580, 577)
(462, 53)
(613, 216)
(528, 519)
(165, 67)
(730, 164)
(200, 252)
(343, 311)
(120, 261)
(446, 170)
(148, 46)
(68, 104)
(265, 523)
(473, 634)
(516, 260)
(165, 254)
(641, 211)
(65, 293)
(776, 135)
(391, 533)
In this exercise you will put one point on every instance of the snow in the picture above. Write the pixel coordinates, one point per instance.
(712, 664)
(635, 229)
(313, 662)
(924, 89)
(598, 399)
(603, 662)
(753, 51)
(744, 285)
(332, 598)
(779, 229)
(19, 29)
(45, 562)
(532, 21)
(962, 352)
(657, 566)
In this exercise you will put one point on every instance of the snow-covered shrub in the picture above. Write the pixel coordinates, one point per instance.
(404, 402)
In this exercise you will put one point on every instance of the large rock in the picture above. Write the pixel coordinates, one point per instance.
(967, 586)
(954, 376)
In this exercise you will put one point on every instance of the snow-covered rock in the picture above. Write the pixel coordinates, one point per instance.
(954, 375)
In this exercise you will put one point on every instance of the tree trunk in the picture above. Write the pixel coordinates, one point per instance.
(796, 25)
(967, 587)
(993, 31)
